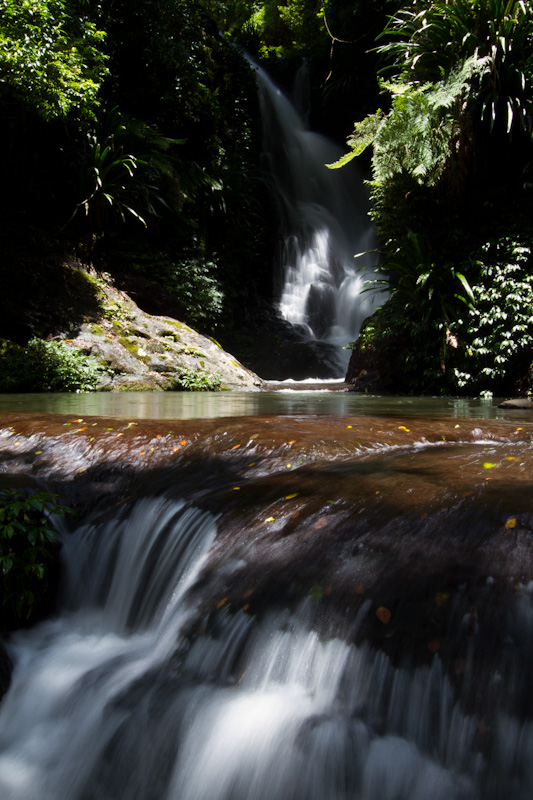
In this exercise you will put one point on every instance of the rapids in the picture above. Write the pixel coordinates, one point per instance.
(301, 607)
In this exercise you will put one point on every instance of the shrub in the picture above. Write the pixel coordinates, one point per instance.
(47, 367)
(28, 553)
(197, 380)
(497, 335)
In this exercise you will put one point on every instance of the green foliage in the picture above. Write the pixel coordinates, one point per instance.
(196, 380)
(439, 291)
(431, 39)
(47, 367)
(28, 553)
(192, 280)
(51, 56)
(496, 337)
(128, 172)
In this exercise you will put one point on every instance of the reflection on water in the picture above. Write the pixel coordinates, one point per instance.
(191, 405)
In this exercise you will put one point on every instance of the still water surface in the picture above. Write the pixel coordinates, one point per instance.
(191, 405)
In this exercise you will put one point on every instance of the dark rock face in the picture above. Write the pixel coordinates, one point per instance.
(5, 670)
(368, 371)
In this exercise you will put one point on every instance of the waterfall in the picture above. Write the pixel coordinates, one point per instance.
(133, 691)
(324, 224)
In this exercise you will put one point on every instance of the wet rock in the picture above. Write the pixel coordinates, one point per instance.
(518, 402)
(141, 351)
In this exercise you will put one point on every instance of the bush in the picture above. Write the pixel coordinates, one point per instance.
(28, 554)
(497, 336)
(197, 380)
(47, 367)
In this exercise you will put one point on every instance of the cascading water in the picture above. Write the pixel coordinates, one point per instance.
(324, 225)
(355, 623)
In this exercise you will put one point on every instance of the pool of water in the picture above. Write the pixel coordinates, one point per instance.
(191, 405)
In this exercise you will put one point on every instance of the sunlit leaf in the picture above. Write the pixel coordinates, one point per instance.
(488, 465)
(511, 523)
(403, 428)
(290, 496)
(269, 519)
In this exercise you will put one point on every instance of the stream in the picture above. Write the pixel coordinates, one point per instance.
(325, 597)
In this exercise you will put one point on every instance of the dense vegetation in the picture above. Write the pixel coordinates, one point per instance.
(451, 190)
(130, 140)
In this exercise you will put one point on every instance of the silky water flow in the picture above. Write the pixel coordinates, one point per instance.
(326, 234)
(137, 690)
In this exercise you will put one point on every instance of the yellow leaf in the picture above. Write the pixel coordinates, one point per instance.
(222, 602)
(511, 523)
(403, 428)
(235, 447)
(269, 519)
(289, 466)
(290, 496)
(349, 426)
(488, 465)
(236, 488)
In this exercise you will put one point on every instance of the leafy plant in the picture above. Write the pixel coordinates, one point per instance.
(497, 336)
(28, 553)
(47, 367)
(51, 56)
(196, 380)
(126, 166)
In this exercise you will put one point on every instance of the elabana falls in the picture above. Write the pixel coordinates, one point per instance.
(278, 595)
(324, 226)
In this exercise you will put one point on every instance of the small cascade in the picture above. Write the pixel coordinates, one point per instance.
(324, 224)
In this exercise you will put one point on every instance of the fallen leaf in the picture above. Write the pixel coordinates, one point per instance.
(290, 496)
(292, 441)
(488, 465)
(236, 488)
(321, 523)
(142, 453)
(403, 428)
(235, 447)
(183, 442)
(269, 519)
(246, 607)
(158, 436)
(511, 458)
(467, 494)
(247, 594)
(349, 426)
(174, 449)
(222, 602)
(289, 466)
(38, 452)
(511, 523)
(384, 615)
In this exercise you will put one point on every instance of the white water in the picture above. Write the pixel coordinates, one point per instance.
(324, 225)
(113, 701)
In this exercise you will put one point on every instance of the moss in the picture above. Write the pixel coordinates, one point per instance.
(97, 329)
